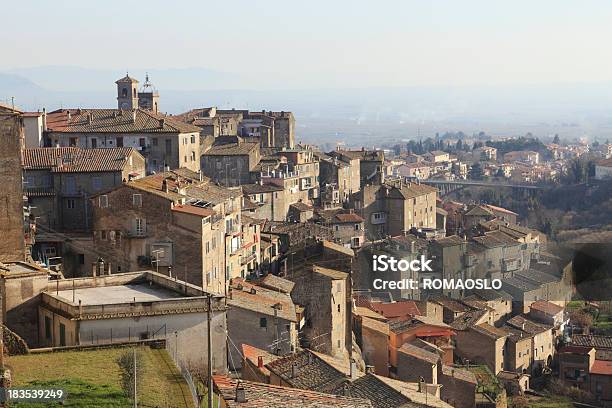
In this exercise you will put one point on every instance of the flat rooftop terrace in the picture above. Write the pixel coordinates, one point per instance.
(104, 295)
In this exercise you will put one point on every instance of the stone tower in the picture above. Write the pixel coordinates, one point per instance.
(148, 97)
(127, 93)
(12, 244)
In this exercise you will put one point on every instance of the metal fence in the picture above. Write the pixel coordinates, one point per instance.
(186, 375)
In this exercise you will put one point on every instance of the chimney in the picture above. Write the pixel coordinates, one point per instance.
(161, 123)
(89, 118)
(94, 269)
(294, 370)
(165, 186)
(134, 116)
(310, 358)
(353, 372)
(69, 116)
(108, 268)
(370, 369)
(240, 394)
(260, 363)
(523, 326)
(412, 247)
(44, 119)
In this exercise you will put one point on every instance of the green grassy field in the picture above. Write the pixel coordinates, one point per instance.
(550, 402)
(92, 378)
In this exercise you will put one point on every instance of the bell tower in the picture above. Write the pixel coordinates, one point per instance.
(148, 97)
(127, 93)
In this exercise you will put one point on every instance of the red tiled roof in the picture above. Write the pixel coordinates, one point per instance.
(576, 349)
(349, 217)
(76, 159)
(395, 309)
(114, 121)
(499, 209)
(601, 367)
(259, 395)
(192, 209)
(546, 307)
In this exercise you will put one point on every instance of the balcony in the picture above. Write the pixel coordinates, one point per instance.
(247, 259)
(39, 191)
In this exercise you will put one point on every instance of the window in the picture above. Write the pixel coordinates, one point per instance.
(120, 142)
(103, 234)
(139, 226)
(81, 259)
(137, 200)
(96, 183)
(70, 185)
(103, 201)
(94, 143)
(142, 142)
(207, 247)
(263, 322)
(356, 227)
(185, 159)
(168, 146)
(155, 141)
(47, 328)
(338, 308)
(62, 333)
(193, 157)
(70, 204)
(192, 139)
(72, 142)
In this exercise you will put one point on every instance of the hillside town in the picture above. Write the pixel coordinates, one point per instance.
(246, 256)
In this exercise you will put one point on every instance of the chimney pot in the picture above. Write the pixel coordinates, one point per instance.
(260, 361)
(240, 394)
(294, 370)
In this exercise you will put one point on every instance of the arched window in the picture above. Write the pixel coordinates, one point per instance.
(124, 92)
(134, 92)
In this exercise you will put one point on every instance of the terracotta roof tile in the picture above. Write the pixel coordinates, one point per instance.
(260, 395)
(114, 121)
(76, 159)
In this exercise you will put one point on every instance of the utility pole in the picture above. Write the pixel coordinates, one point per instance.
(209, 330)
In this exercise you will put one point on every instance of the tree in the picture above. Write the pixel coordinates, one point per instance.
(459, 145)
(556, 140)
(582, 319)
(126, 364)
(476, 172)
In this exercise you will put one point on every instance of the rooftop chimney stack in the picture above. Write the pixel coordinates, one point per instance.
(240, 394)
(294, 370)
(260, 363)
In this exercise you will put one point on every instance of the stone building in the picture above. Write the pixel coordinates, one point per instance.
(260, 317)
(12, 222)
(324, 294)
(348, 227)
(163, 141)
(60, 181)
(371, 164)
(341, 171)
(305, 164)
(394, 208)
(173, 222)
(230, 164)
(543, 343)
(134, 306)
(265, 201)
(21, 285)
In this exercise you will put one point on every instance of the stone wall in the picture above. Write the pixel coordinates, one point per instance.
(12, 244)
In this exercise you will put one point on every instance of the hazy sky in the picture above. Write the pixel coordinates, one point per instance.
(322, 43)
